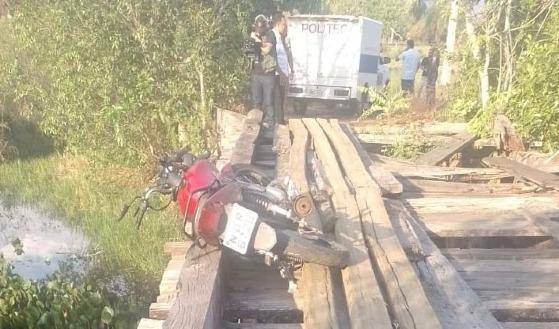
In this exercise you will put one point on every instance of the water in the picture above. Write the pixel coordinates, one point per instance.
(36, 245)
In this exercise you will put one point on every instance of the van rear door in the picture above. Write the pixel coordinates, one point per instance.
(325, 52)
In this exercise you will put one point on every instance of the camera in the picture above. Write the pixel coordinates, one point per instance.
(251, 47)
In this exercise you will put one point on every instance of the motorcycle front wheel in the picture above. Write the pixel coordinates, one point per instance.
(313, 249)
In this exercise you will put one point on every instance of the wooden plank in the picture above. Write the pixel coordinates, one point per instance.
(478, 204)
(535, 266)
(150, 324)
(282, 145)
(513, 310)
(407, 169)
(229, 325)
(517, 169)
(171, 275)
(543, 220)
(405, 295)
(244, 147)
(262, 304)
(483, 224)
(479, 280)
(424, 187)
(531, 325)
(528, 304)
(553, 158)
(456, 304)
(431, 128)
(258, 292)
(176, 248)
(388, 183)
(198, 304)
(364, 299)
(322, 307)
(439, 155)
(382, 139)
(500, 254)
(229, 127)
(159, 311)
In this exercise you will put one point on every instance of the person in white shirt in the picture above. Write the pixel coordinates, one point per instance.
(411, 60)
(283, 69)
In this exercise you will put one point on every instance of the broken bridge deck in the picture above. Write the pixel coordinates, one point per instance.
(425, 252)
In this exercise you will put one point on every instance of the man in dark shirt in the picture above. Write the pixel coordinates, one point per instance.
(263, 79)
(430, 68)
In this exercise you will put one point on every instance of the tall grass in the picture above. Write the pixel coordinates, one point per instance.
(90, 196)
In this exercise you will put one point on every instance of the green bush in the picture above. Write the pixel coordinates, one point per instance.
(534, 103)
(53, 303)
(124, 79)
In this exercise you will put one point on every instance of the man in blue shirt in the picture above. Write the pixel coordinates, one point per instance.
(410, 59)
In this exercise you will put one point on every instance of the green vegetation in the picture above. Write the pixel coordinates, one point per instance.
(100, 87)
(394, 14)
(53, 304)
(90, 197)
(387, 102)
(506, 66)
(123, 80)
(409, 147)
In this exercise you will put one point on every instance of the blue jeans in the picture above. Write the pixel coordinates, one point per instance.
(407, 86)
(262, 92)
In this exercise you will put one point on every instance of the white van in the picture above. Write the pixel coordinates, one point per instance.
(334, 59)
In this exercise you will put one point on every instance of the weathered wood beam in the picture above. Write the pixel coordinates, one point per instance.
(553, 159)
(229, 127)
(500, 254)
(480, 224)
(282, 145)
(244, 147)
(229, 325)
(433, 128)
(401, 168)
(388, 183)
(405, 295)
(425, 186)
(176, 248)
(479, 204)
(321, 310)
(455, 302)
(515, 310)
(365, 302)
(517, 169)
(531, 325)
(541, 219)
(199, 302)
(439, 155)
(150, 324)
(159, 311)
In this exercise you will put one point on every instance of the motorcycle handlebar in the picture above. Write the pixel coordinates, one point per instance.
(169, 177)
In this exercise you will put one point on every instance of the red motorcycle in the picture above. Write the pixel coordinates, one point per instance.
(241, 209)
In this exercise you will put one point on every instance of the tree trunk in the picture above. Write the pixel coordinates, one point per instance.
(476, 52)
(509, 53)
(450, 43)
(484, 92)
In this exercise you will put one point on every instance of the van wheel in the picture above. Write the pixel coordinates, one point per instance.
(300, 107)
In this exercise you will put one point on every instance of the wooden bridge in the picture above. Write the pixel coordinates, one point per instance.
(431, 246)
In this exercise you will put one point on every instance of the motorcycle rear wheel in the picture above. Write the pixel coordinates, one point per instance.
(315, 250)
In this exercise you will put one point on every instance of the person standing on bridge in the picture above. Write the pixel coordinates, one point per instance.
(284, 65)
(262, 77)
(410, 59)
